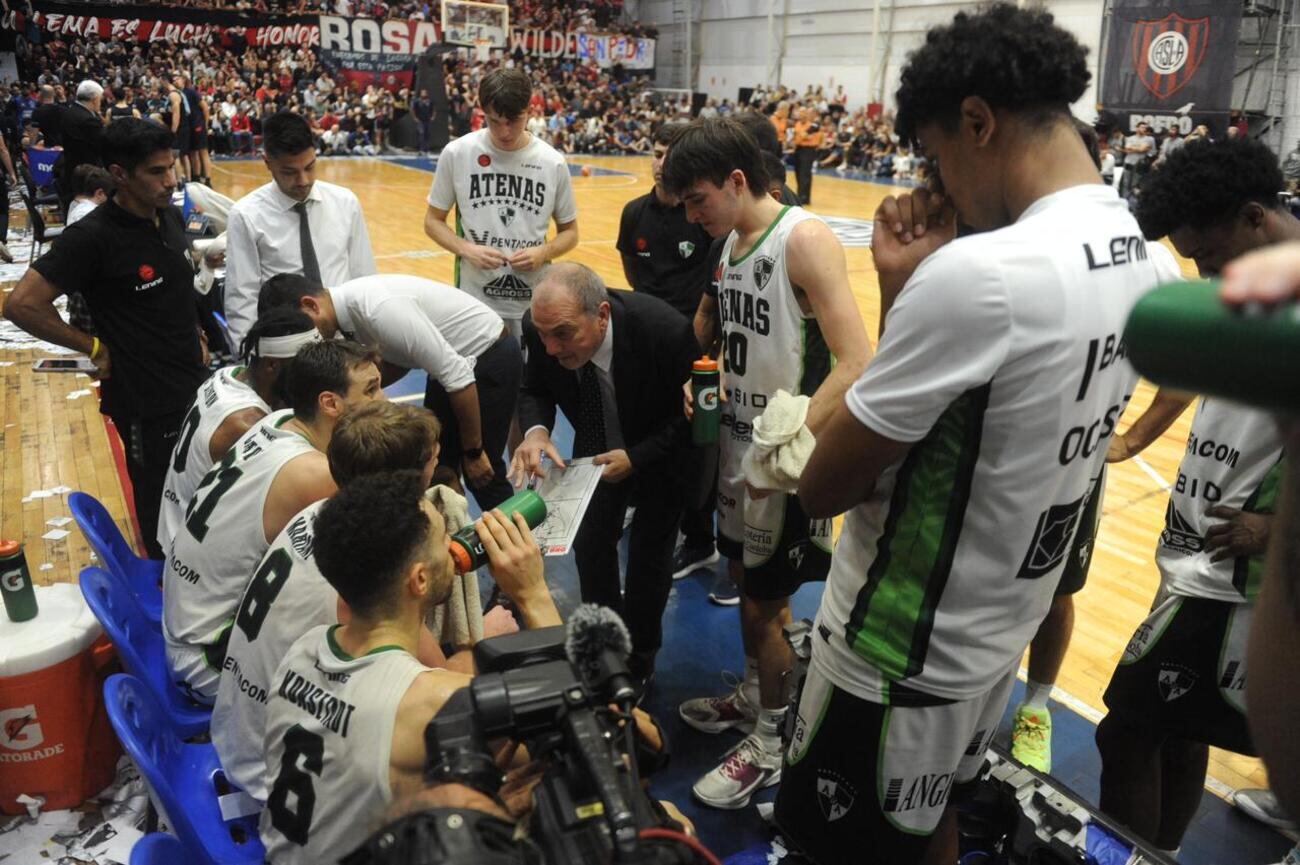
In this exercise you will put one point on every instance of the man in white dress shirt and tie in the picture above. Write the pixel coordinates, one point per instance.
(265, 235)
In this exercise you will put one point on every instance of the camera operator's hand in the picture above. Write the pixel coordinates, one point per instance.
(516, 565)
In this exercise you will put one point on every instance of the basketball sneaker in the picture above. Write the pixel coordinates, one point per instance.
(1031, 738)
(688, 560)
(1263, 806)
(725, 592)
(747, 768)
(715, 714)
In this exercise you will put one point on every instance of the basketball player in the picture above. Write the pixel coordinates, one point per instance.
(287, 596)
(271, 473)
(506, 185)
(345, 719)
(785, 307)
(966, 452)
(1180, 685)
(227, 404)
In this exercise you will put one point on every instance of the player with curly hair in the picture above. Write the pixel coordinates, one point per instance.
(965, 453)
(1180, 685)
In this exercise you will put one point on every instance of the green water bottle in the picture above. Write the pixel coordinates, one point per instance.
(467, 552)
(705, 382)
(16, 582)
(1183, 336)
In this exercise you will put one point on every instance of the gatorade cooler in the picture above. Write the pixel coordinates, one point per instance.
(55, 739)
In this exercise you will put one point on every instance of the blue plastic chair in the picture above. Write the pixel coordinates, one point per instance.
(142, 576)
(186, 778)
(139, 644)
(158, 848)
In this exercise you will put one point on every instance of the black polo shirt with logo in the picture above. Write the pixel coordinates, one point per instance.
(668, 255)
(139, 285)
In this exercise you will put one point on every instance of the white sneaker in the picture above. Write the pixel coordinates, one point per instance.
(715, 714)
(747, 768)
(1263, 806)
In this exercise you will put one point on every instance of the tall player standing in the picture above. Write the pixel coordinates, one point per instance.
(785, 308)
(965, 453)
(506, 186)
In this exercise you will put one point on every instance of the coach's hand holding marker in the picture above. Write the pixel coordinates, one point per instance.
(527, 461)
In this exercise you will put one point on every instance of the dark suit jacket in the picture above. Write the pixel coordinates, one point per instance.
(654, 347)
(49, 119)
(82, 132)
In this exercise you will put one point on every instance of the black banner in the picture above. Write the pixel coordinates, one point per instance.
(1170, 63)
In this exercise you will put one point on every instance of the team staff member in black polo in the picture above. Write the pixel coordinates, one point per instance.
(129, 258)
(663, 254)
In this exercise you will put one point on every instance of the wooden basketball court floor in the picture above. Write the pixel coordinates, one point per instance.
(51, 441)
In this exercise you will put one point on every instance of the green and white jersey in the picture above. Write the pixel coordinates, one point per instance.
(218, 398)
(215, 552)
(504, 199)
(1002, 364)
(329, 738)
(286, 598)
(768, 344)
(1234, 459)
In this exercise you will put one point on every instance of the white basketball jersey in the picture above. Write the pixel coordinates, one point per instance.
(219, 545)
(768, 344)
(1233, 458)
(218, 398)
(1002, 362)
(329, 737)
(286, 598)
(503, 199)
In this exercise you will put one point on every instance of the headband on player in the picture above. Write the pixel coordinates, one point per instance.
(286, 346)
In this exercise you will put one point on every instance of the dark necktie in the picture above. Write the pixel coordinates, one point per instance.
(310, 267)
(589, 437)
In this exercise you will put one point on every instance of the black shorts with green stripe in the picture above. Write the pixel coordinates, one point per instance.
(1183, 673)
(1075, 574)
(861, 775)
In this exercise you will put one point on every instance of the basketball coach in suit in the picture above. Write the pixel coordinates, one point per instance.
(614, 363)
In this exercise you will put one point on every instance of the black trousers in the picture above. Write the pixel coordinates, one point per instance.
(649, 555)
(497, 372)
(804, 157)
(148, 444)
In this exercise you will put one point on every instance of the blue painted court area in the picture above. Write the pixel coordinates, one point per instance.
(701, 640)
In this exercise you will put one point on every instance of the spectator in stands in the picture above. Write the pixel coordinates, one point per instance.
(241, 132)
(422, 109)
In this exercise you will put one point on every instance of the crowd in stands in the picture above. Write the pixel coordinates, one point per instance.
(579, 107)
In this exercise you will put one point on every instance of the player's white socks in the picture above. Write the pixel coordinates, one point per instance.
(1036, 694)
(749, 687)
(768, 729)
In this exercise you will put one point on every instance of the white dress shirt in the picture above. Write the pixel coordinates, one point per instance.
(419, 324)
(603, 361)
(263, 240)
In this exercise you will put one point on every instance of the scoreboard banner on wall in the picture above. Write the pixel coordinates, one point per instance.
(1170, 63)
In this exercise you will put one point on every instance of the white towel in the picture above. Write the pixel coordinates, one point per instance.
(781, 445)
(459, 621)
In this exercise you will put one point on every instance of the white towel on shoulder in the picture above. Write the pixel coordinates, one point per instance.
(782, 444)
(459, 621)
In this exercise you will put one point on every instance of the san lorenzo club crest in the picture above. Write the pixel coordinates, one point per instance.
(1166, 53)
(506, 215)
(686, 247)
(763, 267)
